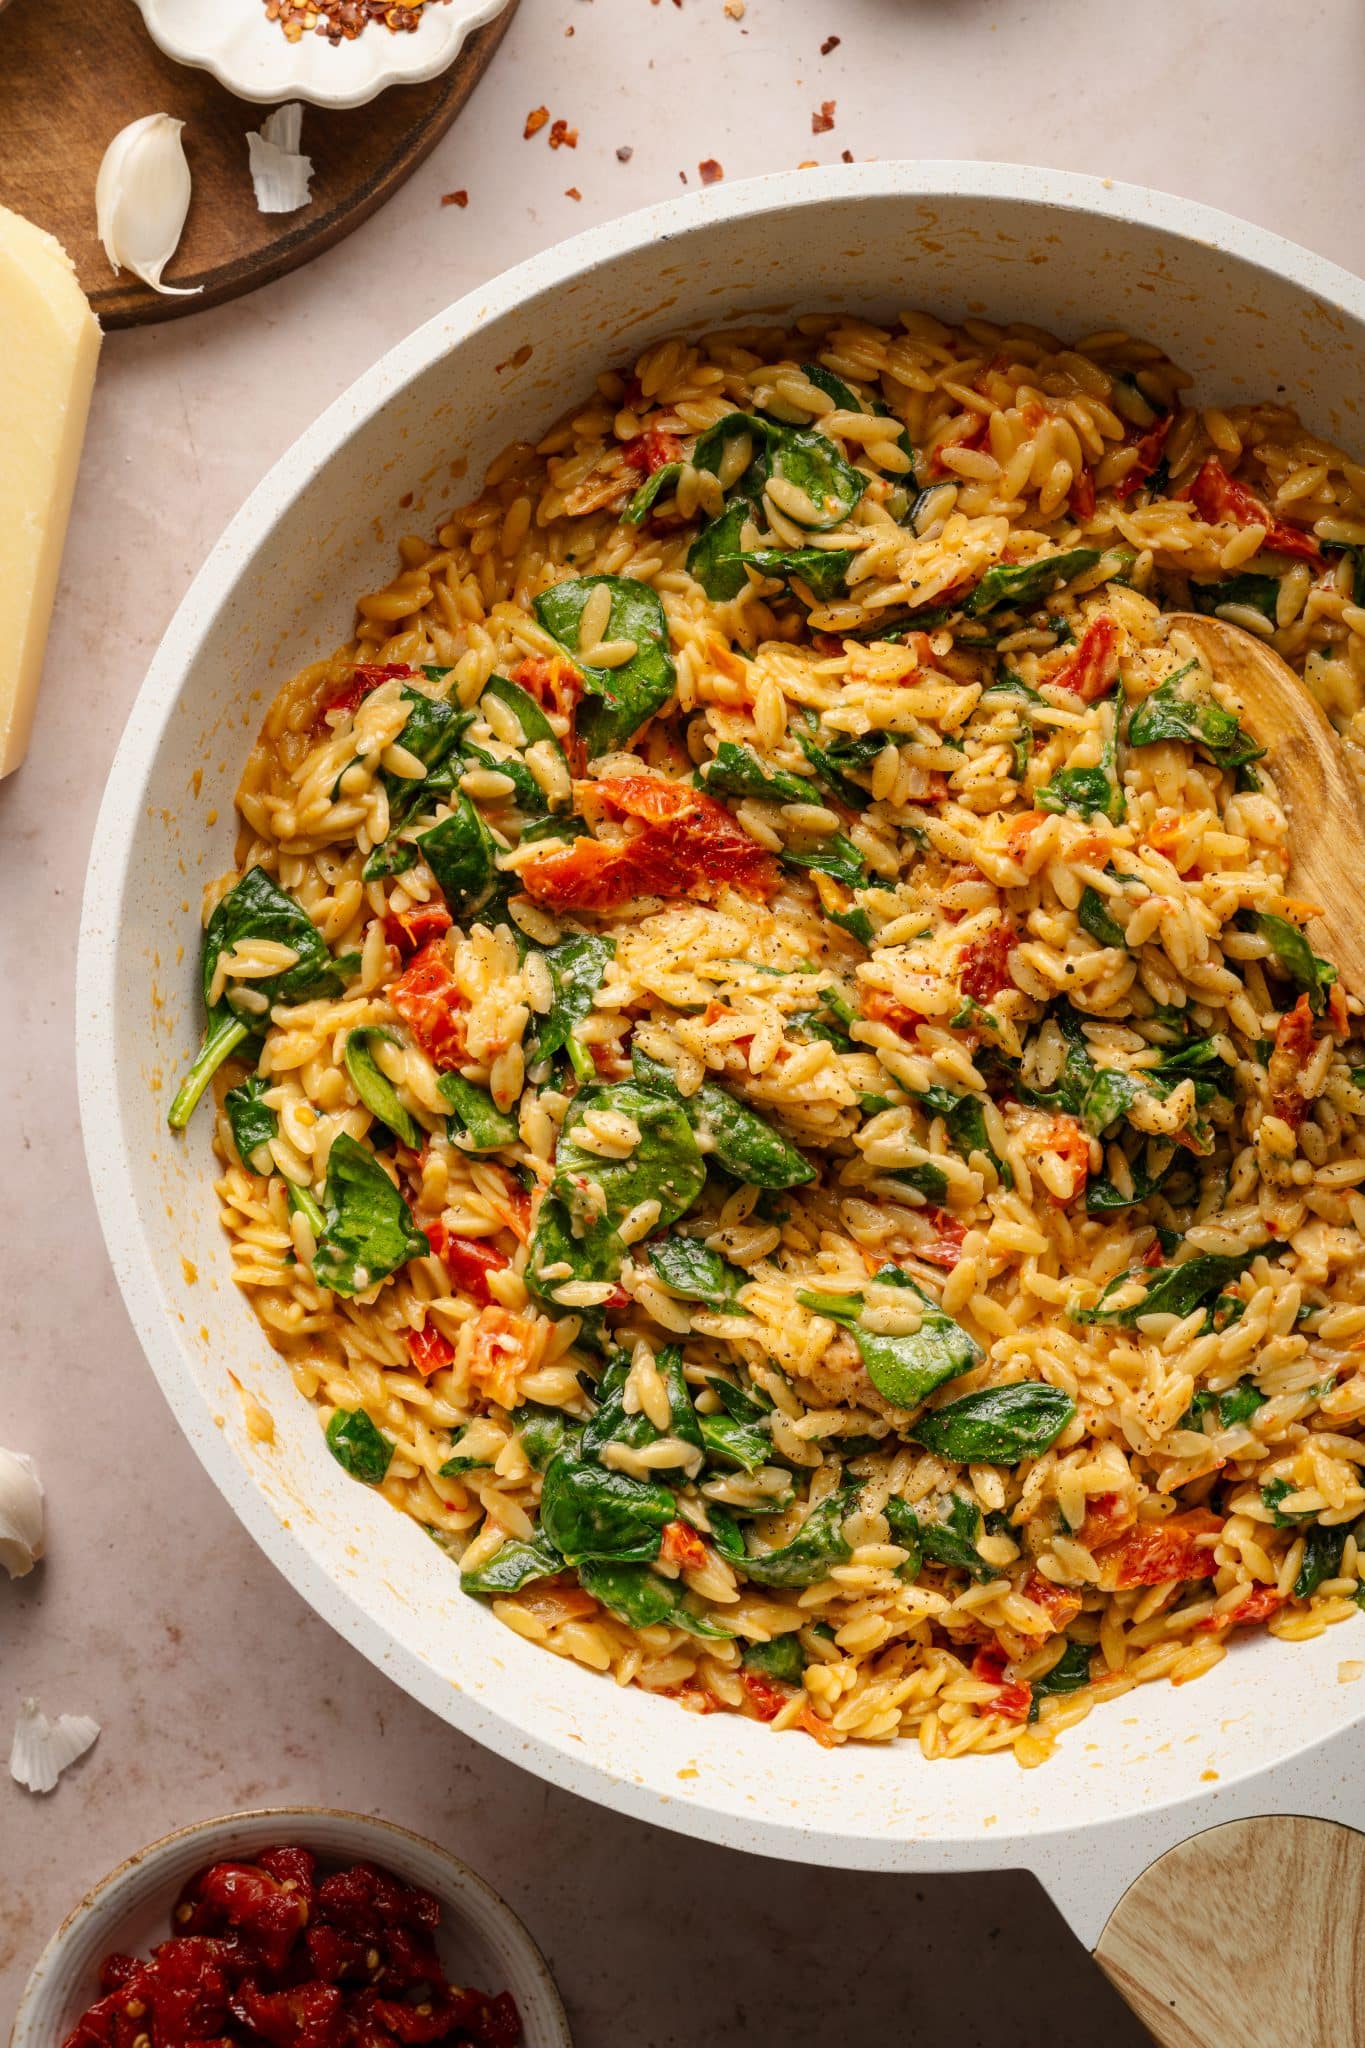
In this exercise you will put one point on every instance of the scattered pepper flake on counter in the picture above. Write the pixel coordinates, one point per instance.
(572, 192)
(270, 1949)
(845, 156)
(535, 121)
(821, 123)
(624, 153)
(711, 171)
(830, 43)
(562, 136)
(460, 198)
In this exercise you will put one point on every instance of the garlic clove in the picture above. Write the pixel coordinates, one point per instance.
(278, 172)
(42, 1749)
(142, 195)
(21, 1513)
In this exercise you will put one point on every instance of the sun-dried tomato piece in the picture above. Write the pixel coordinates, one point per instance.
(1059, 1605)
(552, 679)
(411, 929)
(682, 1545)
(1295, 1033)
(1151, 1553)
(429, 1349)
(971, 437)
(334, 1956)
(652, 450)
(302, 2016)
(365, 676)
(1012, 1698)
(944, 1248)
(428, 999)
(984, 964)
(468, 1261)
(1092, 671)
(1257, 1605)
(1068, 1141)
(1151, 446)
(266, 1916)
(1218, 498)
(1083, 495)
(1107, 1515)
(766, 1699)
(690, 846)
(369, 1901)
(882, 1008)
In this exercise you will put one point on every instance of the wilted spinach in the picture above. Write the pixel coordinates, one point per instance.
(357, 1445)
(376, 1091)
(735, 1136)
(997, 1425)
(368, 1228)
(1068, 1674)
(587, 1511)
(650, 491)
(1172, 1290)
(737, 771)
(817, 1545)
(906, 1369)
(1088, 790)
(690, 1269)
(460, 852)
(618, 700)
(514, 1565)
(1093, 915)
(577, 964)
(1028, 583)
(665, 1166)
(642, 1599)
(1179, 709)
(1293, 953)
(253, 1123)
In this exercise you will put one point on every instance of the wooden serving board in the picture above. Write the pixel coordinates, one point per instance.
(80, 70)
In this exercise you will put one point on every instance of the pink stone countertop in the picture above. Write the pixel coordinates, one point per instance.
(215, 1685)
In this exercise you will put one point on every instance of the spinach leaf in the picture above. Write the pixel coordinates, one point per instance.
(1236, 1404)
(357, 1445)
(1294, 954)
(1027, 583)
(1172, 1290)
(455, 1465)
(1254, 593)
(587, 1511)
(1103, 1195)
(905, 1370)
(855, 922)
(512, 1566)
(690, 1269)
(824, 571)
(818, 1544)
(301, 1203)
(653, 488)
(905, 1531)
(1322, 1549)
(997, 1425)
(828, 771)
(256, 908)
(1069, 1674)
(834, 387)
(714, 556)
(665, 1166)
(1093, 916)
(524, 708)
(577, 964)
(375, 1089)
(1088, 790)
(253, 1123)
(736, 1443)
(394, 857)
(734, 1135)
(460, 852)
(1179, 709)
(597, 1255)
(947, 1529)
(475, 1123)
(369, 1232)
(835, 855)
(544, 1432)
(926, 1179)
(612, 1423)
(710, 450)
(812, 462)
(431, 733)
(642, 1599)
(782, 1658)
(737, 771)
(965, 1120)
(1276, 1490)
(618, 700)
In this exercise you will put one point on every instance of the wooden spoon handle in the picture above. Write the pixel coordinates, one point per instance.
(1246, 1937)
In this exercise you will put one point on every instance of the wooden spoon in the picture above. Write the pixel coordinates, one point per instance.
(1319, 792)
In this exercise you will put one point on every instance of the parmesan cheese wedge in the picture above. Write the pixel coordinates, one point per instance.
(51, 340)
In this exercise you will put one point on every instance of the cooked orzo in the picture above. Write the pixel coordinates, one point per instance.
(770, 1082)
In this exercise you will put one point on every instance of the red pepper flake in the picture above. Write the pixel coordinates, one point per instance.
(562, 136)
(821, 123)
(535, 121)
(845, 156)
(830, 43)
(572, 192)
(460, 198)
(624, 153)
(711, 171)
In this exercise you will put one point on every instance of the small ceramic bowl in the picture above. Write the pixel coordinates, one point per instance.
(250, 55)
(481, 1941)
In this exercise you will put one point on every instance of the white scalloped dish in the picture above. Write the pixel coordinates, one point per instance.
(249, 54)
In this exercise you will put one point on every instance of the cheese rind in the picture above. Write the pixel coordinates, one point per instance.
(49, 344)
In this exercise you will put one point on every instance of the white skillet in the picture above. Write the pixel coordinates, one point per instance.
(1271, 1729)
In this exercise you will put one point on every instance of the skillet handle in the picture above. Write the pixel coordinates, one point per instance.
(1246, 1936)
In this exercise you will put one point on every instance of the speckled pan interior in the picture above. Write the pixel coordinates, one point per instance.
(1250, 315)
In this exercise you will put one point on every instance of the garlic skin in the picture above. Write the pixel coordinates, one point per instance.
(21, 1514)
(42, 1749)
(278, 172)
(142, 195)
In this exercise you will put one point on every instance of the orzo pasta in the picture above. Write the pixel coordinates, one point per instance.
(770, 1081)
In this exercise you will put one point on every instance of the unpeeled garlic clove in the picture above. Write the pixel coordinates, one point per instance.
(142, 195)
(21, 1513)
